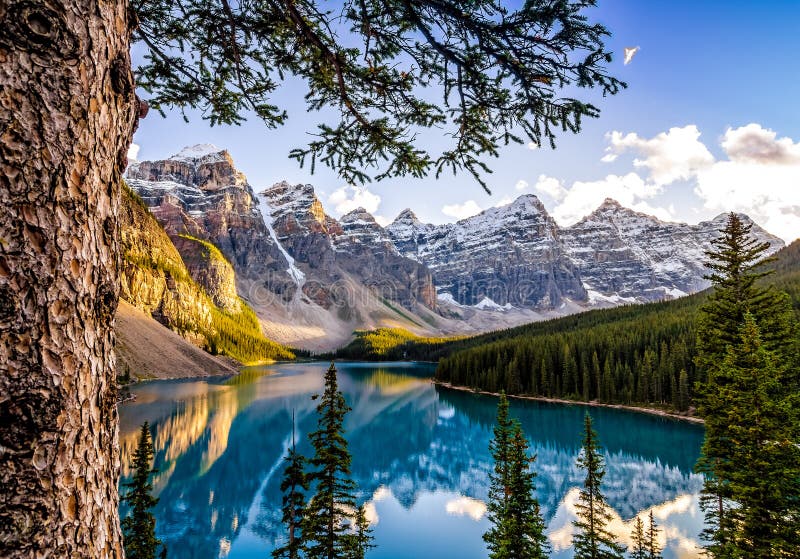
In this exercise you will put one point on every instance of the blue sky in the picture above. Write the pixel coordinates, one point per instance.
(709, 123)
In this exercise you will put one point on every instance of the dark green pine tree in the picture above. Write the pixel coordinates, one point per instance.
(639, 549)
(735, 273)
(517, 530)
(497, 537)
(528, 540)
(360, 540)
(294, 487)
(683, 391)
(737, 261)
(653, 549)
(139, 527)
(762, 421)
(593, 540)
(329, 529)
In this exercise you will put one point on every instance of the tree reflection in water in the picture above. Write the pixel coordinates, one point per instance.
(420, 458)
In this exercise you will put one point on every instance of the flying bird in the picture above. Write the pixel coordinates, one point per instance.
(629, 52)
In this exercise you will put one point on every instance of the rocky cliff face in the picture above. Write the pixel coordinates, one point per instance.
(365, 248)
(310, 281)
(282, 240)
(209, 268)
(200, 192)
(328, 253)
(627, 255)
(512, 255)
(516, 255)
(193, 295)
(313, 279)
(153, 277)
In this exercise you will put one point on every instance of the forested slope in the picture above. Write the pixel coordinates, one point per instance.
(156, 279)
(393, 344)
(631, 355)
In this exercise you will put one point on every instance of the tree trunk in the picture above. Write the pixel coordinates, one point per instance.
(67, 109)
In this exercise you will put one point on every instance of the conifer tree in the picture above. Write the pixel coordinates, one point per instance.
(517, 530)
(639, 549)
(737, 295)
(653, 549)
(737, 262)
(527, 533)
(360, 540)
(294, 487)
(764, 480)
(683, 391)
(328, 523)
(497, 537)
(514, 379)
(593, 540)
(139, 527)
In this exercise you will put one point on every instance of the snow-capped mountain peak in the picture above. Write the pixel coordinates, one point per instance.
(407, 215)
(358, 214)
(635, 256)
(513, 255)
(610, 203)
(199, 151)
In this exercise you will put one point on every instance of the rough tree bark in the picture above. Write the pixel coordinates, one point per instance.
(67, 110)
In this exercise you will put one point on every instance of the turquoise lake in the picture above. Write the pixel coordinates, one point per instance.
(420, 459)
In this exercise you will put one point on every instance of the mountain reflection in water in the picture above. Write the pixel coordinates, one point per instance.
(420, 459)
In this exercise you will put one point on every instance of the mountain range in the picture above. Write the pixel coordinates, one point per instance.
(312, 279)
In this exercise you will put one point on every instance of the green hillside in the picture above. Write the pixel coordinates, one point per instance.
(392, 344)
(155, 279)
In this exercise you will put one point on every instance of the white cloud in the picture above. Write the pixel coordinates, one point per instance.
(466, 506)
(754, 144)
(348, 198)
(551, 186)
(768, 193)
(759, 177)
(462, 211)
(383, 221)
(582, 198)
(133, 152)
(521, 184)
(504, 201)
(532, 146)
(670, 515)
(669, 156)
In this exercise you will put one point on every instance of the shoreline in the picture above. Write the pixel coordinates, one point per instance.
(594, 404)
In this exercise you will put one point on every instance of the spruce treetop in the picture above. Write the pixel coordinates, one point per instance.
(333, 526)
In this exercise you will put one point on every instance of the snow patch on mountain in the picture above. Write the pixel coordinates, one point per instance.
(510, 254)
(487, 304)
(448, 299)
(621, 252)
(599, 299)
(294, 272)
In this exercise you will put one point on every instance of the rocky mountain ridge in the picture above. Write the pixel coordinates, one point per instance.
(313, 279)
(516, 255)
(637, 257)
(305, 273)
(511, 255)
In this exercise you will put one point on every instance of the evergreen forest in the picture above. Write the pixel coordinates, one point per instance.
(633, 355)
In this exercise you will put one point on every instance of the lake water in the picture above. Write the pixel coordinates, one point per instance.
(420, 459)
